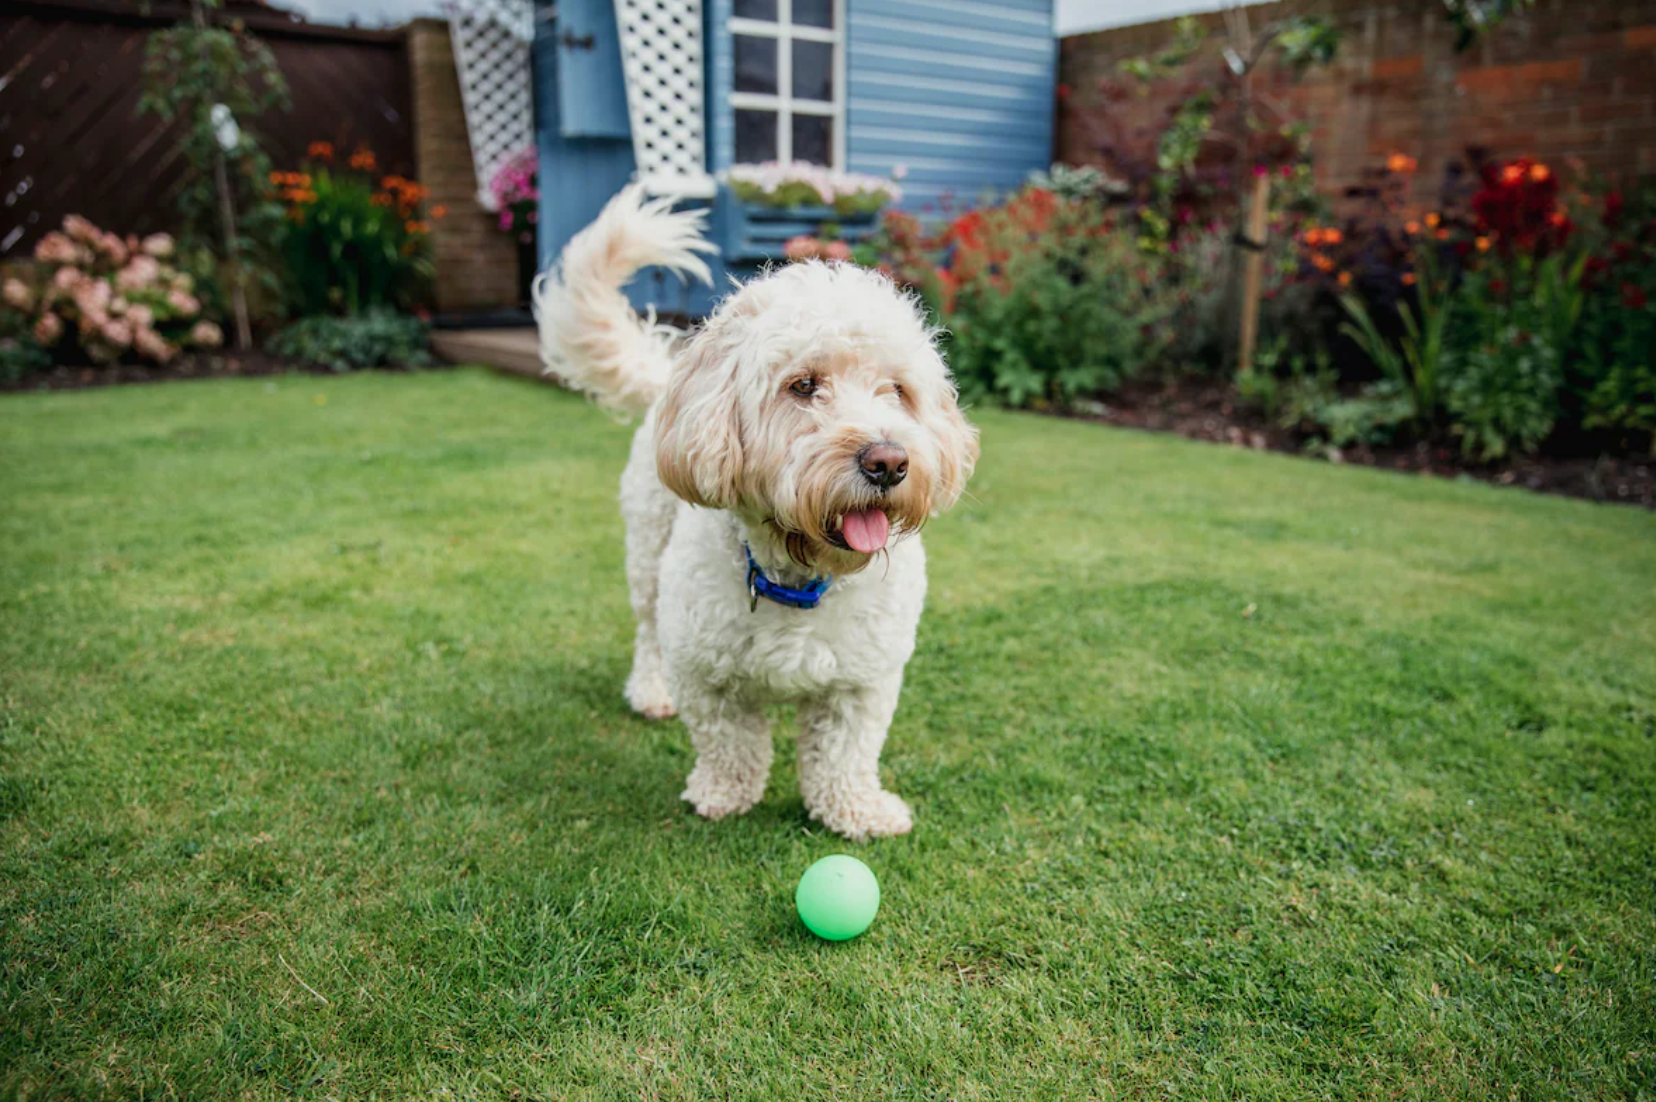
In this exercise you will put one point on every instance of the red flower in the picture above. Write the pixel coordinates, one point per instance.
(1497, 287)
(1063, 91)
(1634, 297)
(1613, 207)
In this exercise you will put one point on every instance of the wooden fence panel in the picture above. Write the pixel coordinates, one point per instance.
(71, 141)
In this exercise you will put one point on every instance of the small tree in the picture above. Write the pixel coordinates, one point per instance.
(216, 79)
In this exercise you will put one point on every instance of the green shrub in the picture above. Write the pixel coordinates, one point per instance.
(351, 247)
(20, 356)
(1046, 301)
(348, 344)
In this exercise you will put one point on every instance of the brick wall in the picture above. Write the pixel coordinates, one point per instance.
(476, 263)
(1568, 79)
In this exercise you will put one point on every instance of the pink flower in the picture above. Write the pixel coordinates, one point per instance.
(183, 303)
(801, 248)
(139, 274)
(141, 316)
(837, 250)
(113, 247)
(206, 335)
(118, 305)
(158, 245)
(81, 229)
(899, 172)
(18, 295)
(117, 332)
(48, 329)
(92, 296)
(153, 345)
(55, 248)
(67, 279)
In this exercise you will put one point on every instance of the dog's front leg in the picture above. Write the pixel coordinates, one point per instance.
(840, 738)
(733, 751)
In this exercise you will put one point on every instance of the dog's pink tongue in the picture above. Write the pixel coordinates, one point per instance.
(866, 531)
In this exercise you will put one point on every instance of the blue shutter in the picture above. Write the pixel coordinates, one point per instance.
(592, 94)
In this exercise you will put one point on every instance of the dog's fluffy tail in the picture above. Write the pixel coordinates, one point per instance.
(589, 334)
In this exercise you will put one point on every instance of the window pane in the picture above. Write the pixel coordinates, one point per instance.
(812, 13)
(756, 137)
(813, 70)
(755, 64)
(757, 9)
(813, 139)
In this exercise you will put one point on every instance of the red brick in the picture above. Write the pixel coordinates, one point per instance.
(1396, 68)
(1519, 77)
(1640, 38)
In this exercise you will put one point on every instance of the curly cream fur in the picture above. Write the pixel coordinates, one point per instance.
(730, 453)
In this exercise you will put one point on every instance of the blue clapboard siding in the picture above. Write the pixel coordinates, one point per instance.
(960, 92)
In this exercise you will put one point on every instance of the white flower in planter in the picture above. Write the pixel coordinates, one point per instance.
(225, 130)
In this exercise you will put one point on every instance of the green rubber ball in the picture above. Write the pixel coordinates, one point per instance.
(838, 897)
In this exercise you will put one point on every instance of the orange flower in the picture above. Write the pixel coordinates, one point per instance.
(1511, 174)
(1559, 219)
(1483, 244)
(1345, 279)
(1539, 172)
(1397, 162)
(363, 160)
(1433, 219)
(1333, 237)
(1313, 236)
(439, 211)
(320, 151)
(417, 227)
(1322, 263)
(276, 178)
(1411, 227)
(1408, 279)
(1443, 235)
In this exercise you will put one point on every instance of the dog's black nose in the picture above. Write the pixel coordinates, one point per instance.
(884, 464)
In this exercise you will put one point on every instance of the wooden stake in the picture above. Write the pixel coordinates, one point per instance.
(1253, 271)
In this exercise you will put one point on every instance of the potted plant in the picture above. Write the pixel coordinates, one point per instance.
(774, 202)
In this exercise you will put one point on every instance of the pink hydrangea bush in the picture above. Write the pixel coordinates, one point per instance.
(515, 187)
(114, 296)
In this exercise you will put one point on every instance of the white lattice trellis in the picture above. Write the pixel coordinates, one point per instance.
(661, 51)
(491, 51)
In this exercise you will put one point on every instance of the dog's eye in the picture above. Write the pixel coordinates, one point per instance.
(804, 388)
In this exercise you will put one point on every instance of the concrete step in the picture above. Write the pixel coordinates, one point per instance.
(513, 350)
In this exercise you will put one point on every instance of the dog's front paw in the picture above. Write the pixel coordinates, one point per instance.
(715, 795)
(859, 816)
(648, 696)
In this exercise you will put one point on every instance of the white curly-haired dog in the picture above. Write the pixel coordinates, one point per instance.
(807, 430)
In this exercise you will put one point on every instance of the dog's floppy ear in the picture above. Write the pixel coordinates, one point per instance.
(957, 445)
(698, 431)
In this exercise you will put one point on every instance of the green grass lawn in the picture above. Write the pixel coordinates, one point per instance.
(1235, 776)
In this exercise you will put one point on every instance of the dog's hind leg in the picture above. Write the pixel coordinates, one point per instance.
(648, 510)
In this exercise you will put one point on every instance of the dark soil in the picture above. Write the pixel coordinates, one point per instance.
(1206, 410)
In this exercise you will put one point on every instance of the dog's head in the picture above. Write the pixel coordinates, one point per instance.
(814, 401)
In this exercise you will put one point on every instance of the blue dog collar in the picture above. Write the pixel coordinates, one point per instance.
(761, 586)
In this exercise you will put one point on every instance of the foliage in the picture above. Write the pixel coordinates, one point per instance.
(1472, 18)
(801, 184)
(21, 355)
(1235, 777)
(217, 79)
(1415, 366)
(352, 244)
(1072, 183)
(110, 297)
(373, 339)
(1507, 317)
(1045, 301)
(515, 187)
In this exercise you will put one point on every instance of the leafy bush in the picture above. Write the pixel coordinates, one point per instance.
(109, 296)
(346, 344)
(1508, 318)
(1048, 301)
(351, 246)
(20, 356)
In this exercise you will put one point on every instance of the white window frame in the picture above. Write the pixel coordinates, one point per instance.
(783, 32)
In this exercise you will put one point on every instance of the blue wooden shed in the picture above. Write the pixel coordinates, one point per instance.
(955, 95)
